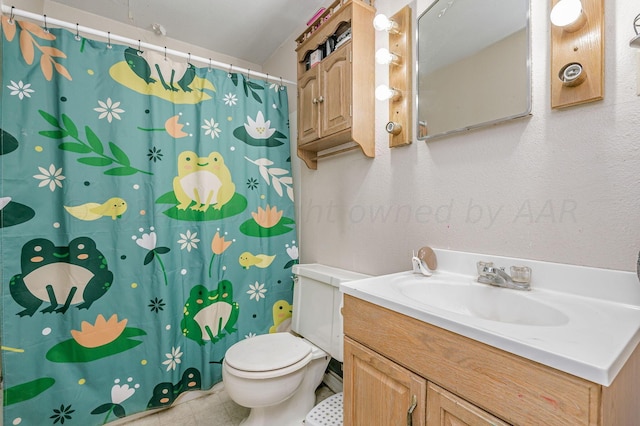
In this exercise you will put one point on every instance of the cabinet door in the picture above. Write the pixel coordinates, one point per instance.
(308, 107)
(445, 408)
(379, 392)
(335, 77)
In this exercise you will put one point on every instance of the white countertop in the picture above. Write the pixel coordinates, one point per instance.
(600, 311)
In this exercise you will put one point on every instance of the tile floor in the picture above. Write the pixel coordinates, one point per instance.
(212, 409)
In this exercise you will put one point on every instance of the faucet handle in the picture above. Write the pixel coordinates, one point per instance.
(485, 269)
(521, 274)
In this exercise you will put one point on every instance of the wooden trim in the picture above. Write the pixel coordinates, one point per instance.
(400, 78)
(336, 152)
(621, 400)
(584, 46)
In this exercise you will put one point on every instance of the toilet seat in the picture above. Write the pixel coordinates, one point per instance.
(268, 355)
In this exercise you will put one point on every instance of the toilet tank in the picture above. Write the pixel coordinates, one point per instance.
(316, 305)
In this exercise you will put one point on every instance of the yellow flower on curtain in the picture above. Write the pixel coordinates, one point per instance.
(172, 126)
(267, 218)
(218, 246)
(100, 333)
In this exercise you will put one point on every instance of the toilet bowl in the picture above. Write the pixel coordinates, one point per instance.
(276, 375)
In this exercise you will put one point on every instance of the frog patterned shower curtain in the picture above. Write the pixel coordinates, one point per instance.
(147, 224)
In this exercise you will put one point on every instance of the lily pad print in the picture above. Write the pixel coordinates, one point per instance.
(259, 132)
(72, 351)
(12, 213)
(235, 206)
(267, 222)
(9, 143)
(26, 391)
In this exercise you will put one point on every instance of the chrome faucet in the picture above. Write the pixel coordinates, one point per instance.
(520, 278)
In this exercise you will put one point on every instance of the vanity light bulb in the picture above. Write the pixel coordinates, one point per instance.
(566, 14)
(382, 23)
(384, 57)
(384, 92)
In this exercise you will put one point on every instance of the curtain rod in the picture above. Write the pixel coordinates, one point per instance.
(12, 11)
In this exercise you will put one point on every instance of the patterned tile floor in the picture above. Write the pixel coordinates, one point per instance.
(200, 411)
(213, 408)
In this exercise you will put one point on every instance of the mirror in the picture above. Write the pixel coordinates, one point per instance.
(473, 65)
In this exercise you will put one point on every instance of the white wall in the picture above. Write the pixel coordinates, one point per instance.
(561, 186)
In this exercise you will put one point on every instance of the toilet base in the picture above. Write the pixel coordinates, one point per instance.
(288, 413)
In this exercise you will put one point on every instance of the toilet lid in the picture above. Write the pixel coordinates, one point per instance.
(267, 352)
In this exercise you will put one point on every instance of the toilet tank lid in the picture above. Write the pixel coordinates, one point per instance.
(327, 274)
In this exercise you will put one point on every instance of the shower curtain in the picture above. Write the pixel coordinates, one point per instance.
(147, 224)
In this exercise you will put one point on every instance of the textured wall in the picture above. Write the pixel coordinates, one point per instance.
(561, 186)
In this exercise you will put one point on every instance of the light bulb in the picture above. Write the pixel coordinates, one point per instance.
(384, 92)
(384, 57)
(382, 23)
(568, 15)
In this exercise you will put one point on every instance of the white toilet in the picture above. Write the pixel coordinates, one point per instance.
(276, 375)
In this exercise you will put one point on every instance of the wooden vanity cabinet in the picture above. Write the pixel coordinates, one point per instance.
(379, 391)
(336, 94)
(467, 382)
(446, 408)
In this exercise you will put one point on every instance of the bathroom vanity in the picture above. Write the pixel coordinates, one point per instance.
(407, 363)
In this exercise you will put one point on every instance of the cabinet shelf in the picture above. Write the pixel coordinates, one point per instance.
(335, 94)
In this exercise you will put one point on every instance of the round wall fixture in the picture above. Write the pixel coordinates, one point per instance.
(393, 128)
(572, 74)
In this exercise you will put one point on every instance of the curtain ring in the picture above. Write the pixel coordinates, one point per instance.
(46, 30)
(281, 84)
(266, 80)
(109, 40)
(77, 37)
(249, 74)
(11, 16)
(165, 53)
(189, 58)
(209, 70)
(229, 72)
(139, 52)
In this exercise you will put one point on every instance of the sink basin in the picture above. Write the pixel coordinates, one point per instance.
(466, 297)
(581, 320)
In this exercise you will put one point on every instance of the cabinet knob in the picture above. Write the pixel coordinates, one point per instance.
(320, 99)
(315, 101)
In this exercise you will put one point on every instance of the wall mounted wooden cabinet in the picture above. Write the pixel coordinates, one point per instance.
(467, 382)
(336, 82)
(326, 87)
